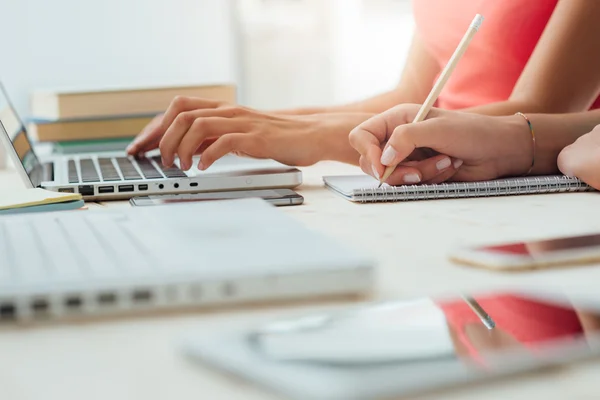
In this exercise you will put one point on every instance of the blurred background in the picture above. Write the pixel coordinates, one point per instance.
(279, 53)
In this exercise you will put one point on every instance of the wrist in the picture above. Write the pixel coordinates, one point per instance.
(518, 140)
(329, 134)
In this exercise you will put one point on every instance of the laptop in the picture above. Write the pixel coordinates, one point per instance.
(66, 264)
(115, 175)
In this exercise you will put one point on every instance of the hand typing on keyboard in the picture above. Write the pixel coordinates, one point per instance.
(213, 129)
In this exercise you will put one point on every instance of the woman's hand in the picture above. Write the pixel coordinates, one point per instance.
(479, 147)
(582, 158)
(213, 129)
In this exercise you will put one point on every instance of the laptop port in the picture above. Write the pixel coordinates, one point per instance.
(176, 186)
(73, 302)
(66, 190)
(86, 190)
(106, 299)
(8, 311)
(106, 189)
(142, 187)
(141, 296)
(161, 186)
(40, 306)
(193, 184)
(125, 188)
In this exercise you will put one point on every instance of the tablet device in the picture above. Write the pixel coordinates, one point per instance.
(530, 254)
(405, 348)
(277, 197)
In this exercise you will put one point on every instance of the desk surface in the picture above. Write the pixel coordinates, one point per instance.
(137, 358)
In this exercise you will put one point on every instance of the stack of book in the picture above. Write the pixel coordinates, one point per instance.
(74, 120)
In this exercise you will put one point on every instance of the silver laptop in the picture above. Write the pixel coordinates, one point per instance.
(82, 263)
(114, 175)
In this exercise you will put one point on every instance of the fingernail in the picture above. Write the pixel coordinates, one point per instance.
(412, 178)
(443, 164)
(201, 166)
(183, 166)
(388, 155)
(457, 164)
(375, 172)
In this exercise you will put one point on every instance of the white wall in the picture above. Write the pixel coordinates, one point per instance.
(286, 53)
(320, 52)
(90, 43)
(370, 42)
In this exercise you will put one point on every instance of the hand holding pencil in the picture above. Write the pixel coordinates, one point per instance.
(439, 85)
(389, 153)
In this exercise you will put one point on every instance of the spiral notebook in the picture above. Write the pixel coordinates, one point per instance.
(363, 188)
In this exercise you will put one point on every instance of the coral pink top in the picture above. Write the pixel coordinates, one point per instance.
(489, 70)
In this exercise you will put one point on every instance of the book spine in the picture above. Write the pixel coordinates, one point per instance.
(541, 185)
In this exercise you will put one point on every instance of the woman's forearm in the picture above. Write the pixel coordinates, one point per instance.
(553, 132)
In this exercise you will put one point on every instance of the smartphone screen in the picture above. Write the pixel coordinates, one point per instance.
(546, 246)
(279, 197)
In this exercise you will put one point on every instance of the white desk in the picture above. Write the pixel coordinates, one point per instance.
(137, 358)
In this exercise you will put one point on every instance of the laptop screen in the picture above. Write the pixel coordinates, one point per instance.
(20, 141)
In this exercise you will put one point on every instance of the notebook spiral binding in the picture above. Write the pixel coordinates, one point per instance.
(502, 187)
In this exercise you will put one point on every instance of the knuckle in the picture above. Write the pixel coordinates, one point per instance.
(198, 125)
(400, 133)
(227, 141)
(183, 118)
(354, 138)
(180, 101)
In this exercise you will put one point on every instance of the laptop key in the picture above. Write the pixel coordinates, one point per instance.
(127, 169)
(88, 171)
(172, 172)
(148, 170)
(108, 170)
(73, 177)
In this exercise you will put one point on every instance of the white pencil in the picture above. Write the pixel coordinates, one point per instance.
(439, 84)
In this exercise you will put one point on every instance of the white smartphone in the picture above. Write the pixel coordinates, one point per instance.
(560, 251)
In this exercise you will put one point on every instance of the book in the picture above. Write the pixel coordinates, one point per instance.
(70, 104)
(363, 188)
(88, 129)
(37, 199)
(90, 146)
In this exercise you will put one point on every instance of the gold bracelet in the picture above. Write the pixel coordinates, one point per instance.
(532, 139)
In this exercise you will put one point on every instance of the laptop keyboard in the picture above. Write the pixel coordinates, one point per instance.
(70, 249)
(117, 168)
